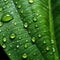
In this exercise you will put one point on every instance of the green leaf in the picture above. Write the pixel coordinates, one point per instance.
(37, 18)
(56, 20)
(14, 39)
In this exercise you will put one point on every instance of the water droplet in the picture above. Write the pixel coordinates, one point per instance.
(16, 2)
(9, 54)
(12, 36)
(19, 6)
(4, 46)
(53, 49)
(7, 17)
(1, 9)
(20, 38)
(26, 45)
(26, 40)
(24, 56)
(47, 48)
(26, 25)
(17, 46)
(31, 1)
(44, 42)
(33, 40)
(21, 11)
(52, 41)
(36, 26)
(39, 35)
(34, 19)
(4, 39)
(1, 24)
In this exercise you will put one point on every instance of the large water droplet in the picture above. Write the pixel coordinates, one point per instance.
(4, 39)
(1, 9)
(1, 24)
(12, 36)
(26, 25)
(6, 17)
(33, 40)
(31, 1)
(24, 56)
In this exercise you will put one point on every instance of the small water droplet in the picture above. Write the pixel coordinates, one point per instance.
(17, 46)
(9, 54)
(19, 6)
(26, 45)
(6, 17)
(34, 19)
(31, 1)
(26, 25)
(52, 41)
(47, 48)
(1, 24)
(20, 38)
(26, 40)
(16, 2)
(36, 26)
(21, 11)
(53, 49)
(4, 46)
(12, 36)
(33, 40)
(39, 35)
(24, 56)
(1, 9)
(44, 42)
(4, 39)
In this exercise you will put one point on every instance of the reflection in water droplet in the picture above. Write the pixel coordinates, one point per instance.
(1, 24)
(1, 9)
(31, 1)
(6, 17)
(26, 25)
(24, 56)
(12, 36)
(33, 40)
(4, 46)
(4, 39)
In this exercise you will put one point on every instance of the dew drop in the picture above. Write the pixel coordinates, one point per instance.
(26, 45)
(33, 40)
(1, 24)
(36, 26)
(4, 39)
(0, 30)
(17, 46)
(26, 40)
(31, 1)
(15, 23)
(24, 56)
(12, 36)
(1, 9)
(39, 35)
(19, 6)
(34, 19)
(21, 11)
(47, 48)
(44, 42)
(26, 25)
(6, 17)
(9, 54)
(53, 49)
(52, 41)
(4, 46)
